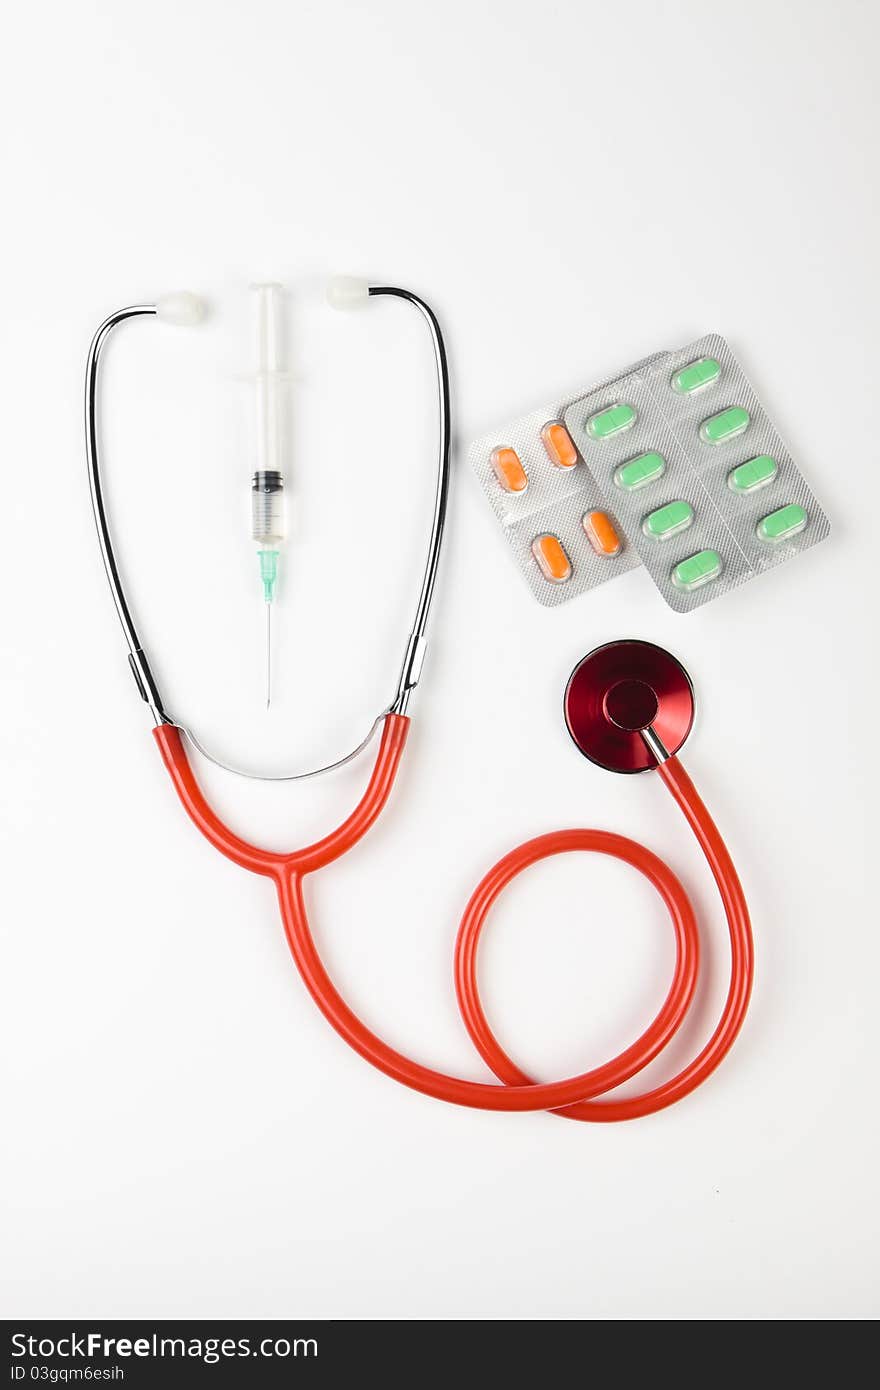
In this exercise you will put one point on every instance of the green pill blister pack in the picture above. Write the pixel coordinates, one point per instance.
(700, 479)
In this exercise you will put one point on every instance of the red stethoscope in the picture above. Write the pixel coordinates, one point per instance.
(629, 707)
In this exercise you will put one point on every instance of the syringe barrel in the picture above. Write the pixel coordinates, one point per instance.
(267, 507)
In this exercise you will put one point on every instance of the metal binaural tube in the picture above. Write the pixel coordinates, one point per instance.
(415, 649)
(144, 678)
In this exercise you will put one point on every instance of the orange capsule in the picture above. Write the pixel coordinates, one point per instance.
(557, 442)
(552, 559)
(601, 533)
(508, 470)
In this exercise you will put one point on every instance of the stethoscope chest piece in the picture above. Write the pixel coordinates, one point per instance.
(621, 689)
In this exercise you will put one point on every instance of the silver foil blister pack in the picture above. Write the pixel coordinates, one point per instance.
(553, 503)
(728, 503)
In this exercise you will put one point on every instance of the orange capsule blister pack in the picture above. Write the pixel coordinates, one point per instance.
(561, 531)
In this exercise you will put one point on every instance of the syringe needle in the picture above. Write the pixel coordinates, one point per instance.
(268, 654)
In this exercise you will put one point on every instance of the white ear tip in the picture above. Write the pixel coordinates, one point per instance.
(347, 292)
(182, 308)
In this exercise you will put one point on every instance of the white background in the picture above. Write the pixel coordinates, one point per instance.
(573, 185)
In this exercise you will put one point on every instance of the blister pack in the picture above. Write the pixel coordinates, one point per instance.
(700, 478)
(564, 536)
(674, 462)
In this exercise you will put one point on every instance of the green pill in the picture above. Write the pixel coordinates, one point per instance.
(752, 475)
(697, 569)
(696, 375)
(611, 421)
(725, 425)
(781, 525)
(668, 521)
(637, 472)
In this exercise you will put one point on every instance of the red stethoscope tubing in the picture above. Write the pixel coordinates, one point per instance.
(575, 1097)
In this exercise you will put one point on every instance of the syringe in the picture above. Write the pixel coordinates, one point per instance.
(267, 495)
